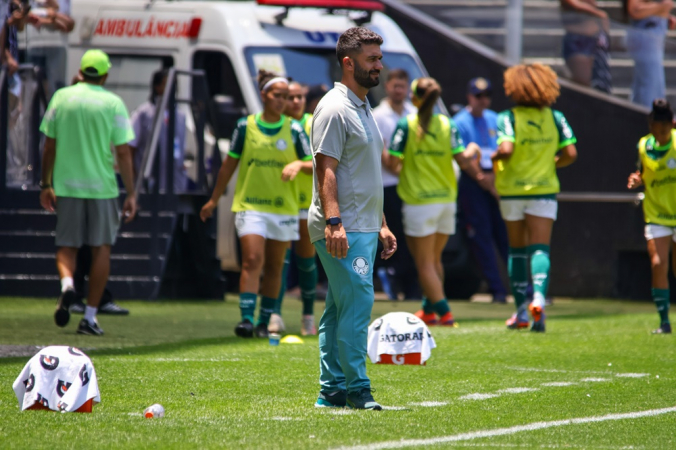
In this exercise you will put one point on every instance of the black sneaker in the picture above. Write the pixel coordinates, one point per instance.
(61, 315)
(244, 329)
(77, 308)
(665, 328)
(261, 330)
(336, 399)
(88, 328)
(363, 400)
(112, 308)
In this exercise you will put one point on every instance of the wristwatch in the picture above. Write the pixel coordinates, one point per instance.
(44, 185)
(334, 221)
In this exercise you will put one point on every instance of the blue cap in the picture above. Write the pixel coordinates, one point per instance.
(478, 86)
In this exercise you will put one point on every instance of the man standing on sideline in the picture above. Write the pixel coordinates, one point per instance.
(481, 211)
(400, 271)
(346, 218)
(80, 124)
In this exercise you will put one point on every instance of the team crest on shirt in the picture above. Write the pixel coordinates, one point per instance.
(281, 145)
(671, 163)
(360, 265)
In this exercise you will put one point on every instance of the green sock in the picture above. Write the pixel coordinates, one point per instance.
(277, 309)
(441, 307)
(517, 267)
(247, 305)
(539, 269)
(307, 279)
(427, 306)
(661, 299)
(267, 306)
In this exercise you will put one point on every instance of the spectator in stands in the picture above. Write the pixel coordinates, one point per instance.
(586, 43)
(398, 271)
(314, 94)
(649, 21)
(273, 148)
(423, 148)
(142, 120)
(481, 211)
(81, 123)
(53, 14)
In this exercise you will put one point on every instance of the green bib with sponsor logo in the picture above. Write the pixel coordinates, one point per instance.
(531, 170)
(304, 180)
(259, 181)
(659, 177)
(427, 175)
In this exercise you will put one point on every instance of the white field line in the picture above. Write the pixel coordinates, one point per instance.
(517, 390)
(507, 431)
(595, 380)
(394, 408)
(631, 375)
(429, 404)
(535, 369)
(478, 396)
(558, 384)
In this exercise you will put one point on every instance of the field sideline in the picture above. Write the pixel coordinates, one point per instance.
(596, 379)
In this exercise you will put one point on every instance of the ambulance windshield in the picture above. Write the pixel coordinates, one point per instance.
(314, 66)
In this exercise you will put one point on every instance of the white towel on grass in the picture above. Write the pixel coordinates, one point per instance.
(60, 378)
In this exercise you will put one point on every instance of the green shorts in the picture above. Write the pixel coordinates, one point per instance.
(86, 221)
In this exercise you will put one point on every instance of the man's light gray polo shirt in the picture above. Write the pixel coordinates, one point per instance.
(343, 128)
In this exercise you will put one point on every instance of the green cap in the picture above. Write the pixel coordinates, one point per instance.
(95, 63)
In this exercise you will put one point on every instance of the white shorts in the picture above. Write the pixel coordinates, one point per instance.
(425, 220)
(516, 209)
(302, 214)
(277, 227)
(653, 231)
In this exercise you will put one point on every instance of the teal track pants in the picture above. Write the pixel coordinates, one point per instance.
(343, 328)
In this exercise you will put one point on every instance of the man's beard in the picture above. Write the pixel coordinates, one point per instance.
(363, 77)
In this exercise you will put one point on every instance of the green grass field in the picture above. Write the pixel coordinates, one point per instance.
(596, 362)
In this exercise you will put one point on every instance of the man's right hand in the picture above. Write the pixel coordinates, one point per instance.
(129, 208)
(48, 199)
(336, 241)
(207, 210)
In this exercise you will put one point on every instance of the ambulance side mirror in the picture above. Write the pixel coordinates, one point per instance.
(225, 115)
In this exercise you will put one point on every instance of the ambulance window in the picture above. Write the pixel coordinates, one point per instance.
(130, 76)
(220, 74)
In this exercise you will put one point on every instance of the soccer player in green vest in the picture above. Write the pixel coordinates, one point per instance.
(273, 149)
(305, 251)
(422, 151)
(657, 172)
(533, 141)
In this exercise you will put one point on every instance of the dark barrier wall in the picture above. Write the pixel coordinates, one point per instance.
(598, 249)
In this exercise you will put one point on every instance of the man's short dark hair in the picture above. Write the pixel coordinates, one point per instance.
(397, 74)
(91, 78)
(351, 41)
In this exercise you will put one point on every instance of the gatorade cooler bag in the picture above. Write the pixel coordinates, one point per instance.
(399, 338)
(58, 378)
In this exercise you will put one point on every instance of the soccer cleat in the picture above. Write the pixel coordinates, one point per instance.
(112, 308)
(77, 308)
(61, 315)
(363, 400)
(539, 326)
(276, 324)
(308, 326)
(447, 320)
(336, 399)
(244, 329)
(665, 328)
(514, 323)
(429, 319)
(86, 327)
(536, 312)
(261, 330)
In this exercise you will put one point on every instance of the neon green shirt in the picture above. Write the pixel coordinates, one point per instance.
(85, 120)
(427, 175)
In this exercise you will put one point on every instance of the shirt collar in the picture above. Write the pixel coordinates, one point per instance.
(352, 96)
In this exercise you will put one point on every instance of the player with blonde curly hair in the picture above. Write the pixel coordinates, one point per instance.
(533, 141)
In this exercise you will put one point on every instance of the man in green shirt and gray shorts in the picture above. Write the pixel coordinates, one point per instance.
(80, 124)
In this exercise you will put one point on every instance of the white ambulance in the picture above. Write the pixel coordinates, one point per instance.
(229, 40)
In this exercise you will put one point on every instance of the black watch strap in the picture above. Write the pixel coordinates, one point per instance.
(334, 221)
(44, 185)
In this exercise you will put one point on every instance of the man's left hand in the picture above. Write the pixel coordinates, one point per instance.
(48, 199)
(389, 243)
(129, 208)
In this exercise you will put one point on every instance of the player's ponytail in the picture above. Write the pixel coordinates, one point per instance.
(428, 91)
(661, 111)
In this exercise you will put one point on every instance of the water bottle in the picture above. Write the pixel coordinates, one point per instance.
(154, 411)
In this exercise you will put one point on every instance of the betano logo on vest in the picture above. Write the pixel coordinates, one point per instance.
(266, 163)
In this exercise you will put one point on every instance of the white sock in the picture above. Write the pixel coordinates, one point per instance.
(90, 314)
(538, 300)
(67, 283)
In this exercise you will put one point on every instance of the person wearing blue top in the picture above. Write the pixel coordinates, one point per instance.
(481, 211)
